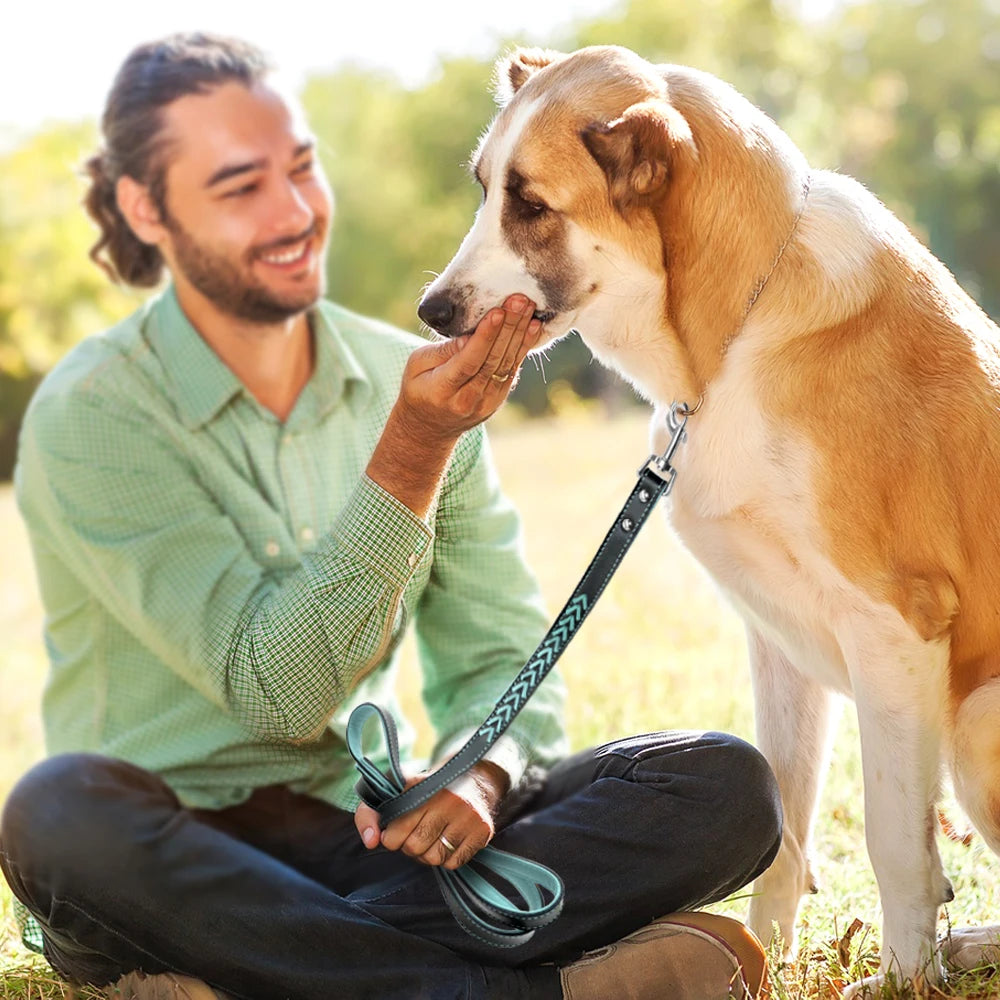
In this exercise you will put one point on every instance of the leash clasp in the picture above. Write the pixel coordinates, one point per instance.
(659, 465)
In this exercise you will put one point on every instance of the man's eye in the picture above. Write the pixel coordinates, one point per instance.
(303, 168)
(237, 192)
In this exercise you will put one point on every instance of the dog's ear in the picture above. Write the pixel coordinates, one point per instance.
(637, 151)
(514, 70)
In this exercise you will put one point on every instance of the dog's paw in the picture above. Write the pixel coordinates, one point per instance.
(870, 988)
(864, 989)
(972, 947)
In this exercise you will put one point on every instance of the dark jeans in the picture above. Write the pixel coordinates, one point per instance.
(278, 898)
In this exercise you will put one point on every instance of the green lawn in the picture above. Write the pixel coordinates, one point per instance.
(660, 651)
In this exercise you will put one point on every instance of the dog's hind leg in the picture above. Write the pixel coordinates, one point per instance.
(900, 688)
(975, 768)
(793, 717)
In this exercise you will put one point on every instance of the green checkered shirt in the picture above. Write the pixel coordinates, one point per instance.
(221, 588)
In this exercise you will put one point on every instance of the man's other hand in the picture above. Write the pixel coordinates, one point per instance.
(460, 815)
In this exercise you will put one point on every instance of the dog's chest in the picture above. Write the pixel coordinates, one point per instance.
(744, 504)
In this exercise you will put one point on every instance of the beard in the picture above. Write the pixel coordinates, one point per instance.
(233, 289)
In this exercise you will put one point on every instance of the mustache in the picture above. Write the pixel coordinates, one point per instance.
(286, 241)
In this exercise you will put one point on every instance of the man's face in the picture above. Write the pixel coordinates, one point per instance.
(247, 205)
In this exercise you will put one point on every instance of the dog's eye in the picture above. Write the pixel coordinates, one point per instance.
(526, 206)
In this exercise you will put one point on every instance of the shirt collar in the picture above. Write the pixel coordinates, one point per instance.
(202, 384)
(337, 374)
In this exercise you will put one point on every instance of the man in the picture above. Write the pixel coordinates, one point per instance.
(238, 499)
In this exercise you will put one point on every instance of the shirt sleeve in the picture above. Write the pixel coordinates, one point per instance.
(481, 617)
(125, 511)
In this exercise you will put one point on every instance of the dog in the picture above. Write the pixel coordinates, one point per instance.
(843, 452)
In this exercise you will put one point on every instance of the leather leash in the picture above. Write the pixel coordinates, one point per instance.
(479, 907)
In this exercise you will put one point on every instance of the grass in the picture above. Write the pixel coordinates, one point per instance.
(660, 651)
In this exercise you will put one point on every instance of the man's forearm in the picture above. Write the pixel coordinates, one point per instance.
(408, 462)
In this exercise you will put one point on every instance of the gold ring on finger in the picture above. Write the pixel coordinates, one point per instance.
(447, 844)
(501, 376)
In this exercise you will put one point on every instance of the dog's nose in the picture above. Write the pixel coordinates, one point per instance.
(437, 311)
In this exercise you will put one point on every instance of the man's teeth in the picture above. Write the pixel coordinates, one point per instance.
(287, 256)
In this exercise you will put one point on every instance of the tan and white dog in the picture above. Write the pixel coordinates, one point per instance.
(840, 475)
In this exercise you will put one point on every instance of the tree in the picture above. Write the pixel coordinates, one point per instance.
(900, 93)
(50, 293)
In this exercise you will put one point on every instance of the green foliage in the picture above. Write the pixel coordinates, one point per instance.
(51, 295)
(899, 93)
(396, 160)
(916, 93)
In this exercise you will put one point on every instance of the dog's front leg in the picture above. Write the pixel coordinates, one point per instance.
(793, 715)
(900, 685)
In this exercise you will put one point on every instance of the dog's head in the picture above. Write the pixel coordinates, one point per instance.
(582, 147)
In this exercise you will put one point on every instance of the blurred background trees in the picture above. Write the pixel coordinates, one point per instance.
(903, 94)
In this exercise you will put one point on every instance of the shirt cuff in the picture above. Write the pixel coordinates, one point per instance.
(383, 532)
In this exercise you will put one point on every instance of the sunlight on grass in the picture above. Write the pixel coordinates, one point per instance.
(659, 651)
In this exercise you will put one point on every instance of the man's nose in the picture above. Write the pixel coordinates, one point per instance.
(291, 211)
(438, 311)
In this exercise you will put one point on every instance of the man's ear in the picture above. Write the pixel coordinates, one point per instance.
(137, 206)
(638, 151)
(514, 70)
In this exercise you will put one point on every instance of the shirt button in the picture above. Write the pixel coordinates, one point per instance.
(306, 534)
(411, 560)
(272, 548)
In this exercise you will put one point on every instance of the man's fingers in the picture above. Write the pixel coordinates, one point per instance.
(434, 355)
(517, 311)
(502, 338)
(445, 817)
(424, 838)
(455, 845)
(466, 848)
(517, 349)
(497, 337)
(367, 823)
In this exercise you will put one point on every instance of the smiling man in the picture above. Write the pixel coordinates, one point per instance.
(238, 500)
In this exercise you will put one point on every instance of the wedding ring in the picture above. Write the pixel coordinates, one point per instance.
(447, 844)
(501, 377)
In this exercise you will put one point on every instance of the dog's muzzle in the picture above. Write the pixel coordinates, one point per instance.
(438, 312)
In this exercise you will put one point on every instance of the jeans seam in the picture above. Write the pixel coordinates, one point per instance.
(374, 899)
(110, 930)
(63, 901)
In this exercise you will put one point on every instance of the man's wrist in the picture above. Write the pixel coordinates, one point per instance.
(493, 779)
(409, 461)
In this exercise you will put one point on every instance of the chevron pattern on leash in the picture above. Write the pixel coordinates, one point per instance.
(534, 671)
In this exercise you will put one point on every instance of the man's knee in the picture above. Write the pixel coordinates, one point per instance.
(71, 806)
(729, 780)
(749, 800)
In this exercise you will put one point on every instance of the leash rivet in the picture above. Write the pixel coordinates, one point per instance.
(643, 495)
(627, 524)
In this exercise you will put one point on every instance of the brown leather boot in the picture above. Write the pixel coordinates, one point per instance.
(165, 986)
(683, 956)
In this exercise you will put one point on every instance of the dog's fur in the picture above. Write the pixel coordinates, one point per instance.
(839, 480)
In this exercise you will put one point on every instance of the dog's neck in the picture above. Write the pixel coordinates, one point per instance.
(761, 283)
(717, 269)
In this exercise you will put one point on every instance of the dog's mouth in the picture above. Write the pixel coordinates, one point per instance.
(542, 315)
